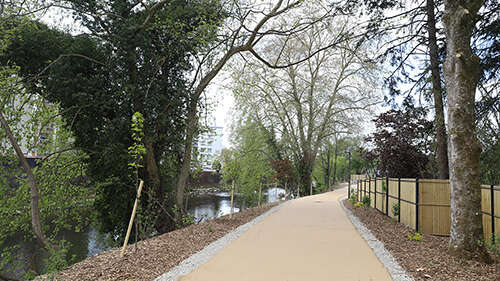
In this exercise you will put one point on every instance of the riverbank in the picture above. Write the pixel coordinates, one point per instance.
(149, 259)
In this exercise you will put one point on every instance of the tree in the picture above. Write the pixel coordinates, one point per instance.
(285, 173)
(246, 26)
(230, 172)
(309, 102)
(401, 143)
(253, 162)
(437, 93)
(56, 190)
(462, 70)
(127, 64)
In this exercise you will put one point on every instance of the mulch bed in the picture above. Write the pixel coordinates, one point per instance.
(426, 260)
(151, 258)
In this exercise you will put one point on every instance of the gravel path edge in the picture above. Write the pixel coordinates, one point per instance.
(395, 270)
(188, 265)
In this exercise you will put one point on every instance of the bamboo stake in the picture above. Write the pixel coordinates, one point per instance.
(232, 200)
(260, 192)
(131, 219)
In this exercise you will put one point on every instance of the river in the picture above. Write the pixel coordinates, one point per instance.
(90, 242)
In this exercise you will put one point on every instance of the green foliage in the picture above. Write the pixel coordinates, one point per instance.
(230, 165)
(210, 228)
(30, 275)
(416, 237)
(384, 186)
(366, 200)
(249, 163)
(352, 196)
(127, 70)
(137, 150)
(187, 220)
(325, 168)
(494, 248)
(395, 209)
(358, 204)
(217, 165)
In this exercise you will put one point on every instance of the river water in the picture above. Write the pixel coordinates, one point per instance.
(90, 242)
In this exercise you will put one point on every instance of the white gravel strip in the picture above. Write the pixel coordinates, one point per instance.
(191, 263)
(395, 270)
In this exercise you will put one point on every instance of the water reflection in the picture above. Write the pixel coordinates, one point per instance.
(89, 242)
(213, 205)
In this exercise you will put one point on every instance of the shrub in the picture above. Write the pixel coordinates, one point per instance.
(366, 201)
(352, 196)
(395, 209)
(358, 204)
(494, 248)
(417, 237)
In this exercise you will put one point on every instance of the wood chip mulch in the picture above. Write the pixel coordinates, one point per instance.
(151, 258)
(426, 260)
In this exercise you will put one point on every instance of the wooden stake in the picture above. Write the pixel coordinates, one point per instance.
(232, 196)
(131, 219)
(260, 192)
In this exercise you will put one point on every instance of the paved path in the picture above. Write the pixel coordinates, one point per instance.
(310, 239)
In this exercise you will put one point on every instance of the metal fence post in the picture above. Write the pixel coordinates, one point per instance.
(399, 199)
(416, 204)
(349, 188)
(492, 199)
(375, 199)
(387, 196)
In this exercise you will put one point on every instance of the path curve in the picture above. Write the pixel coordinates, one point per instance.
(310, 238)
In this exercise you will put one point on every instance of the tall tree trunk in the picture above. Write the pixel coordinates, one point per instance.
(186, 159)
(35, 211)
(154, 184)
(441, 141)
(305, 170)
(327, 168)
(461, 70)
(335, 163)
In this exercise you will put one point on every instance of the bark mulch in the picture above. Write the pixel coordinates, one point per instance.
(425, 260)
(151, 258)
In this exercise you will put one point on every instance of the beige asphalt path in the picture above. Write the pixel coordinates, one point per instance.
(310, 239)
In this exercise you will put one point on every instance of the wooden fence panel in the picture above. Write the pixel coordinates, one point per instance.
(393, 191)
(371, 187)
(380, 205)
(408, 212)
(434, 199)
(497, 209)
(486, 207)
(434, 213)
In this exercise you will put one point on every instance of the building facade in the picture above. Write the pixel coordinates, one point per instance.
(209, 147)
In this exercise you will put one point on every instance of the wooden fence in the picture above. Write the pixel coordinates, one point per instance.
(424, 204)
